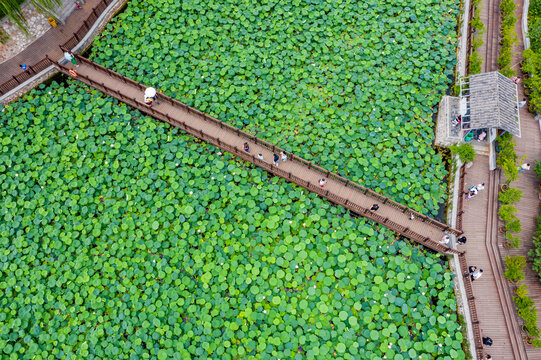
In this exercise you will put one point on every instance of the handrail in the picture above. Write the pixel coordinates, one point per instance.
(433, 244)
(460, 212)
(471, 303)
(274, 148)
(45, 62)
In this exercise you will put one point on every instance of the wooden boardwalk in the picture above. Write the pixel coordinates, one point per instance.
(341, 191)
(528, 208)
(495, 312)
(493, 293)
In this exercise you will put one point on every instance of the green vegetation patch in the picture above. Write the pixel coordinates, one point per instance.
(349, 85)
(123, 239)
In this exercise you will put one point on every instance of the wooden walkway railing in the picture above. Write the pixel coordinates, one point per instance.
(128, 91)
(478, 337)
(44, 63)
(382, 200)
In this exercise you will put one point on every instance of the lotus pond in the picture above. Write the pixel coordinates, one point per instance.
(123, 239)
(347, 84)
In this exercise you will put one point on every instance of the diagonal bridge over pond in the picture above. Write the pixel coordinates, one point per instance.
(356, 198)
(337, 189)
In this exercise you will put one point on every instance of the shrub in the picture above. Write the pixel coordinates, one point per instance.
(514, 226)
(535, 253)
(465, 152)
(478, 28)
(508, 37)
(534, 32)
(515, 268)
(507, 213)
(522, 290)
(507, 158)
(531, 67)
(511, 240)
(475, 63)
(535, 8)
(511, 195)
(537, 168)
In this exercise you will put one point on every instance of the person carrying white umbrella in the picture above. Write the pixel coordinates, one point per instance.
(150, 95)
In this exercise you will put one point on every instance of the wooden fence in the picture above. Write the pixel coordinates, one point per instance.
(271, 147)
(460, 210)
(41, 65)
(479, 349)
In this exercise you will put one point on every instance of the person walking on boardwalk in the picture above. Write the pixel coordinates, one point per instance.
(524, 167)
(69, 57)
(487, 341)
(475, 273)
(374, 207)
(260, 156)
(150, 92)
(480, 187)
(445, 240)
(276, 159)
(23, 66)
(461, 240)
(246, 147)
(284, 156)
(322, 182)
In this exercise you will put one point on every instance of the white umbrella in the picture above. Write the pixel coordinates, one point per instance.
(150, 92)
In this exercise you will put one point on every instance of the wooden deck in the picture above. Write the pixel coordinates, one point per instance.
(528, 208)
(496, 310)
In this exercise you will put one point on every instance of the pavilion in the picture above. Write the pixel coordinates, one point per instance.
(487, 103)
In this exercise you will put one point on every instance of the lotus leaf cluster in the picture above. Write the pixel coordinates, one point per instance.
(123, 238)
(350, 85)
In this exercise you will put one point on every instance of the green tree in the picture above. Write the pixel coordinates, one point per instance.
(465, 152)
(12, 8)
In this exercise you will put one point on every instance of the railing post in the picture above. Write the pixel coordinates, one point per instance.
(76, 37)
(14, 78)
(94, 12)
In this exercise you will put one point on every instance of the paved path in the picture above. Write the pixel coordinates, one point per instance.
(48, 43)
(528, 208)
(495, 307)
(493, 302)
(339, 190)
